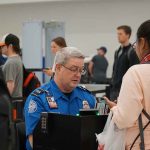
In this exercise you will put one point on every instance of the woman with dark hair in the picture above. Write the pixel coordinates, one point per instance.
(133, 105)
(56, 45)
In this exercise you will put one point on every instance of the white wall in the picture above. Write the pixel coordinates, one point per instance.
(89, 25)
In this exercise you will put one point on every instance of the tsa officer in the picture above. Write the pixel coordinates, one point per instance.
(62, 94)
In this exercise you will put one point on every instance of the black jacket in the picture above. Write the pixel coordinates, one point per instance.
(122, 62)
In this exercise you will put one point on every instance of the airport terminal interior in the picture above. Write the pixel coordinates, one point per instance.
(74, 75)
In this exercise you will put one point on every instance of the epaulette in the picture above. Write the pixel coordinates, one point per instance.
(83, 88)
(38, 92)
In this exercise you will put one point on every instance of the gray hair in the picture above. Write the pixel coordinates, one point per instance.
(64, 54)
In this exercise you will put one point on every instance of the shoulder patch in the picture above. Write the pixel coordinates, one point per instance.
(38, 92)
(32, 106)
(84, 89)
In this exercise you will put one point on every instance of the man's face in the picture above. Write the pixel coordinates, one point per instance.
(101, 52)
(70, 73)
(4, 50)
(122, 36)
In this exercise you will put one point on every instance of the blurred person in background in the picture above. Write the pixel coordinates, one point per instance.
(56, 45)
(2, 58)
(98, 66)
(125, 57)
(13, 68)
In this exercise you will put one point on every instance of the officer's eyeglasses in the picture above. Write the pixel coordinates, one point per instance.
(74, 69)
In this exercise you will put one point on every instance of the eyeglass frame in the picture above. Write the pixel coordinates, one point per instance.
(77, 70)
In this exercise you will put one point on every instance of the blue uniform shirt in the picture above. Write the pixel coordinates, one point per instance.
(2, 60)
(49, 98)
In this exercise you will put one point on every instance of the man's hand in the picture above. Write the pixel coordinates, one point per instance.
(100, 147)
(30, 138)
(48, 71)
(110, 103)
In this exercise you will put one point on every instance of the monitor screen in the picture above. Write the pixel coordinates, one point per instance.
(89, 112)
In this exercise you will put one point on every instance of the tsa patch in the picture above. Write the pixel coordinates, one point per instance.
(32, 106)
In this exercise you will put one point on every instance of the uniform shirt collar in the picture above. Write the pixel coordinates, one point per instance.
(57, 92)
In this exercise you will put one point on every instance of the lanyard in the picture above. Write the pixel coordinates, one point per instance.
(146, 59)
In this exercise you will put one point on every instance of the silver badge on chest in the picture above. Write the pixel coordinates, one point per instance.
(85, 104)
(52, 103)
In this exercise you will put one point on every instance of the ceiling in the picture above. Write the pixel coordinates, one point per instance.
(4, 2)
(7, 2)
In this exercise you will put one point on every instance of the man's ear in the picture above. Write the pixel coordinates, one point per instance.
(58, 67)
(129, 36)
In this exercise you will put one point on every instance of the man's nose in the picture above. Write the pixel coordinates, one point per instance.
(78, 74)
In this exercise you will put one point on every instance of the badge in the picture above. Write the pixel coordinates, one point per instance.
(32, 106)
(85, 104)
(52, 103)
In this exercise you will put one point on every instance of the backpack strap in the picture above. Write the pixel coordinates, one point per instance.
(142, 147)
(28, 79)
(129, 52)
(146, 114)
(148, 117)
